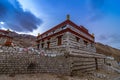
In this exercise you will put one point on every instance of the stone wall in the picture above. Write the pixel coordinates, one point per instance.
(68, 41)
(15, 61)
(73, 43)
(53, 41)
(32, 63)
(82, 64)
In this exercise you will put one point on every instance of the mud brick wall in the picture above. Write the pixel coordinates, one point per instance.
(32, 63)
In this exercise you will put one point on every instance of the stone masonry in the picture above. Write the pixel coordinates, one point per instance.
(15, 61)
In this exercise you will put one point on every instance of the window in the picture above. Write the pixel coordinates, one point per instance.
(42, 45)
(48, 44)
(77, 39)
(85, 42)
(59, 40)
(48, 38)
(54, 31)
(63, 27)
(38, 46)
(92, 45)
(42, 40)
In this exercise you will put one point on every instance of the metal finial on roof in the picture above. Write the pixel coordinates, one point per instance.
(68, 16)
(8, 30)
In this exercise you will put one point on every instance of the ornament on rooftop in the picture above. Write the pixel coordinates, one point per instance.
(68, 17)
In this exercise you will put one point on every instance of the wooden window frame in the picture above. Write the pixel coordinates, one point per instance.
(48, 44)
(85, 42)
(77, 39)
(59, 40)
(42, 45)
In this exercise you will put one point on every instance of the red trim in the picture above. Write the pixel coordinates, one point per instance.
(54, 28)
(64, 23)
(63, 31)
(84, 29)
(79, 28)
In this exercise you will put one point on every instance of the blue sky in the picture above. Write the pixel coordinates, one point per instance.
(101, 17)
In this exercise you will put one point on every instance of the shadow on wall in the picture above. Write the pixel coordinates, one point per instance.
(31, 67)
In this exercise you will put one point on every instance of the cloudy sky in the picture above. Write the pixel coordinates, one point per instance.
(101, 17)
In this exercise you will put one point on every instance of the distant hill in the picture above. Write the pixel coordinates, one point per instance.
(23, 40)
(108, 50)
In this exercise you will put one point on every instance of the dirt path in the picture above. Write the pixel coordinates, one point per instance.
(42, 76)
(118, 78)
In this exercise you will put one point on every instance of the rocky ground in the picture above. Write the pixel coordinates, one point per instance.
(99, 75)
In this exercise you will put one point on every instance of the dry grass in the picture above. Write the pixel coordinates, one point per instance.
(107, 50)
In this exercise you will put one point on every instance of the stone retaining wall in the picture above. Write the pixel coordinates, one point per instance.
(32, 63)
(13, 61)
(80, 65)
